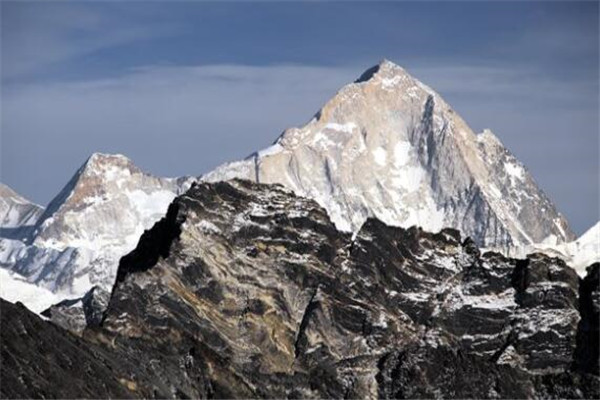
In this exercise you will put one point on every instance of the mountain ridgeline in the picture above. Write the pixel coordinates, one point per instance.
(245, 290)
(343, 261)
(389, 147)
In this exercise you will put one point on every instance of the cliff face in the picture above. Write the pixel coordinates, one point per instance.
(41, 360)
(255, 293)
(245, 290)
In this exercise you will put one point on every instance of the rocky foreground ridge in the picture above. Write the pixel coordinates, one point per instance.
(246, 290)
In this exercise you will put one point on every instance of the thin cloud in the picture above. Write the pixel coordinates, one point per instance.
(37, 35)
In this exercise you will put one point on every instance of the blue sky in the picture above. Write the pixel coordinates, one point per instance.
(180, 87)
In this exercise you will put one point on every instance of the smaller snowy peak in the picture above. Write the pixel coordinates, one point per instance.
(105, 188)
(97, 217)
(592, 235)
(15, 210)
(7, 192)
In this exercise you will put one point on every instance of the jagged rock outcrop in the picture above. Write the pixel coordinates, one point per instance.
(77, 314)
(249, 291)
(245, 290)
(96, 219)
(588, 335)
(389, 147)
(41, 360)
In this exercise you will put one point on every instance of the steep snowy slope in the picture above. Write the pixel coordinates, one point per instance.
(390, 147)
(13, 287)
(579, 254)
(16, 213)
(94, 220)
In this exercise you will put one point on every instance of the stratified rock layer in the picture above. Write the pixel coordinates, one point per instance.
(41, 360)
(254, 291)
(245, 290)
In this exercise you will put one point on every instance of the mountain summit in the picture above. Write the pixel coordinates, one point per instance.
(16, 212)
(388, 146)
(96, 218)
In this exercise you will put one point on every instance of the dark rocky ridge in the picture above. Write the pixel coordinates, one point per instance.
(244, 290)
(41, 360)
(77, 314)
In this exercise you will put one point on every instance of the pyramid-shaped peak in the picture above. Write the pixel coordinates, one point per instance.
(102, 163)
(104, 159)
(6, 191)
(387, 65)
(384, 69)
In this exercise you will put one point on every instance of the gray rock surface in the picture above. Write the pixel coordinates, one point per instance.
(41, 360)
(77, 314)
(245, 290)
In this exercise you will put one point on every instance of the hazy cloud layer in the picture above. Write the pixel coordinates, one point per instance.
(40, 35)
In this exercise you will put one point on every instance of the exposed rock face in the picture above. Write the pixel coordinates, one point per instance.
(97, 218)
(245, 290)
(588, 337)
(249, 291)
(389, 147)
(41, 360)
(77, 314)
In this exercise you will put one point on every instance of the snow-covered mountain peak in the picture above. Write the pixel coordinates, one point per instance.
(16, 211)
(8, 194)
(96, 218)
(108, 165)
(385, 69)
(390, 147)
(108, 193)
(381, 91)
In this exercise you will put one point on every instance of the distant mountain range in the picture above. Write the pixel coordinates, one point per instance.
(386, 146)
(381, 250)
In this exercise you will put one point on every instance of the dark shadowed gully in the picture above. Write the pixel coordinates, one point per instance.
(245, 290)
